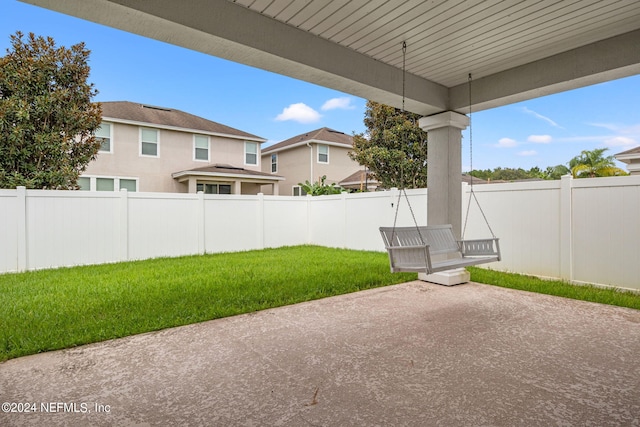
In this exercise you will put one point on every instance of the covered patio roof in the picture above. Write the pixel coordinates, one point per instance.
(515, 50)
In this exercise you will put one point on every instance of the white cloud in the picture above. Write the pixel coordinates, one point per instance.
(619, 141)
(528, 153)
(343, 103)
(300, 113)
(506, 143)
(540, 139)
(609, 126)
(541, 117)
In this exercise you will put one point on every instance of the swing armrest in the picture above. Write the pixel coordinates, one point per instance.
(414, 258)
(480, 247)
(412, 247)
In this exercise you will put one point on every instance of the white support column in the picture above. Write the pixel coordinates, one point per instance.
(237, 187)
(444, 196)
(193, 185)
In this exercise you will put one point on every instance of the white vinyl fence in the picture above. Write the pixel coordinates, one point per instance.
(583, 230)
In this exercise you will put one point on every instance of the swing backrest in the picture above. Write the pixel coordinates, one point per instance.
(440, 238)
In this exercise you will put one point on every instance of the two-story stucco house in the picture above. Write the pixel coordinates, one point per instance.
(148, 148)
(310, 156)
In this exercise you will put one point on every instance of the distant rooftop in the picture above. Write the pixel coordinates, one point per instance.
(635, 150)
(130, 111)
(318, 136)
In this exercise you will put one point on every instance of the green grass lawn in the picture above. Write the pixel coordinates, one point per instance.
(62, 308)
(555, 287)
(54, 309)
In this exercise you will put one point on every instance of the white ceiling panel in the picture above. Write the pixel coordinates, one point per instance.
(515, 49)
(447, 39)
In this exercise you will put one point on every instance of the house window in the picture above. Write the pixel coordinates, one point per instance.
(128, 184)
(149, 142)
(103, 135)
(214, 188)
(298, 191)
(274, 163)
(101, 183)
(323, 154)
(250, 153)
(104, 184)
(84, 183)
(201, 147)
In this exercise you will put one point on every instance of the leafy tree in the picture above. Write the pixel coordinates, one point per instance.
(47, 119)
(320, 188)
(394, 147)
(556, 172)
(592, 163)
(507, 174)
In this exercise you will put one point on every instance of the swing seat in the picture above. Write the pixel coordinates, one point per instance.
(411, 249)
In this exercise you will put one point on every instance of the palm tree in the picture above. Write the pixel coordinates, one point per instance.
(591, 164)
(555, 172)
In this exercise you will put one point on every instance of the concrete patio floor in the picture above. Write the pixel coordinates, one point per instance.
(414, 354)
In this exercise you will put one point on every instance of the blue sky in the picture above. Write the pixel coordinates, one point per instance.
(540, 132)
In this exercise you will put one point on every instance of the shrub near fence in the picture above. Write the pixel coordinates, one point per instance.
(579, 230)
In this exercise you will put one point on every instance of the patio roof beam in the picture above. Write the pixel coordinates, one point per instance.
(227, 30)
(605, 60)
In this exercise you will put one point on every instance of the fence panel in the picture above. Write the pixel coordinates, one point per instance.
(525, 216)
(583, 230)
(285, 221)
(606, 231)
(66, 228)
(161, 224)
(367, 212)
(9, 224)
(232, 223)
(326, 221)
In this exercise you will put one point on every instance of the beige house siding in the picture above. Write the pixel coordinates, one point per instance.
(297, 165)
(175, 153)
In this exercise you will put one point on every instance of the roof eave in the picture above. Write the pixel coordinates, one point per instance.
(188, 173)
(305, 142)
(181, 129)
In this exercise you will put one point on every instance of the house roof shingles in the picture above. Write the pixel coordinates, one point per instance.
(226, 170)
(218, 168)
(319, 135)
(635, 150)
(131, 111)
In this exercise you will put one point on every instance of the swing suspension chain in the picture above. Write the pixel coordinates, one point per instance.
(395, 218)
(470, 134)
(403, 190)
(471, 192)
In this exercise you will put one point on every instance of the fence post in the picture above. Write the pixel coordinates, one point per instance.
(124, 224)
(566, 234)
(21, 196)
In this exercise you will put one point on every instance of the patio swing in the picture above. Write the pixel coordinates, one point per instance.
(413, 249)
